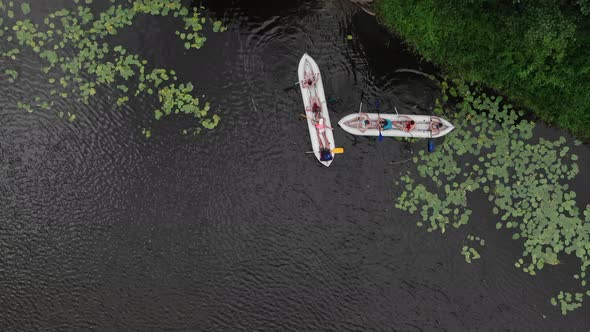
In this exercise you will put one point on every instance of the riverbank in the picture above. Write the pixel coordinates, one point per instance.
(533, 53)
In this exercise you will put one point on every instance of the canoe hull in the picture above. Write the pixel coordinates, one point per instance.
(424, 125)
(309, 94)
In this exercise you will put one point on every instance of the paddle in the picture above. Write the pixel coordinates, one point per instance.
(361, 105)
(312, 119)
(291, 87)
(334, 151)
(333, 100)
(377, 105)
(360, 110)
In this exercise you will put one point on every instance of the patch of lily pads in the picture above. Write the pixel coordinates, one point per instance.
(78, 59)
(469, 250)
(526, 180)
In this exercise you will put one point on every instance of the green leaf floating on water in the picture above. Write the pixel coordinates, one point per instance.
(26, 9)
(217, 26)
(526, 181)
(13, 74)
(75, 48)
(210, 124)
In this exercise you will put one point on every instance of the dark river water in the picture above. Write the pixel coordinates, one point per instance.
(238, 228)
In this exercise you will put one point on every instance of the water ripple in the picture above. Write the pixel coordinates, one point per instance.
(238, 228)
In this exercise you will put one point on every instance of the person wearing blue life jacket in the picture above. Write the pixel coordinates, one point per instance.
(385, 124)
(325, 154)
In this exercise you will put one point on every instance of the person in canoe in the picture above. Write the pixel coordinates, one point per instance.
(435, 127)
(320, 127)
(385, 124)
(309, 81)
(362, 122)
(315, 107)
(325, 154)
(410, 125)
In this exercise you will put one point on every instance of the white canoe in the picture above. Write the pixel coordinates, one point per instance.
(312, 91)
(426, 126)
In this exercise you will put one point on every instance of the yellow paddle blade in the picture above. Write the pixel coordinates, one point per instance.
(337, 150)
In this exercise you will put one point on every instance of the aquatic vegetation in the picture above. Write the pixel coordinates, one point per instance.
(146, 132)
(79, 60)
(470, 253)
(12, 75)
(469, 250)
(525, 180)
(218, 26)
(567, 301)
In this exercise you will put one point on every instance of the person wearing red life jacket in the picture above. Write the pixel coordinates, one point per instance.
(410, 125)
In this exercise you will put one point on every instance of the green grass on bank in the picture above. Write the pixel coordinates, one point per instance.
(535, 52)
